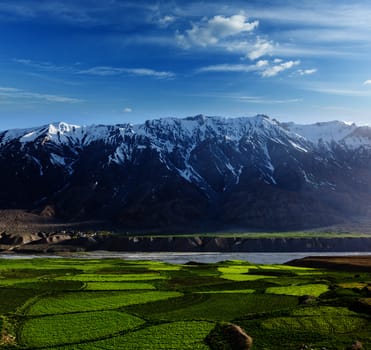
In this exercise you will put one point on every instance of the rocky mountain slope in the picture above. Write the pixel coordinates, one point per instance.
(200, 172)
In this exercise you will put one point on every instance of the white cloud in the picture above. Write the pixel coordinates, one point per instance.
(13, 93)
(112, 71)
(261, 48)
(306, 71)
(276, 69)
(232, 34)
(211, 31)
(367, 82)
(262, 63)
(165, 21)
(127, 110)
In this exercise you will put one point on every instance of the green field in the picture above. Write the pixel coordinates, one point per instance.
(83, 304)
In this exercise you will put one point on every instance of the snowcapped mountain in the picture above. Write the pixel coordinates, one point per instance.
(196, 172)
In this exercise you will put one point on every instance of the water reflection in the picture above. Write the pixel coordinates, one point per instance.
(181, 258)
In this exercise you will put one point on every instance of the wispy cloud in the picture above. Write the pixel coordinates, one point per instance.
(45, 66)
(14, 93)
(127, 110)
(341, 91)
(367, 82)
(98, 71)
(240, 68)
(306, 71)
(319, 28)
(112, 71)
(264, 100)
(67, 12)
(323, 14)
(278, 68)
(265, 68)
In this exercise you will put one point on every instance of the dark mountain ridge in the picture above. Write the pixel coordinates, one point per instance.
(206, 173)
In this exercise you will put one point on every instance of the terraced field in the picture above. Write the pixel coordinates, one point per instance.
(115, 304)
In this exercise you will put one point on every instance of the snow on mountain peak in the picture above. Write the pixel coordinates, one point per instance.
(61, 128)
(322, 132)
(164, 134)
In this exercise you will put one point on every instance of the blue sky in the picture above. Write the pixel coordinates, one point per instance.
(114, 61)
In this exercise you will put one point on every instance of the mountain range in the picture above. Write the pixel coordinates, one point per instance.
(197, 173)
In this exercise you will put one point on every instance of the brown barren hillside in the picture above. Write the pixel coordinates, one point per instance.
(351, 263)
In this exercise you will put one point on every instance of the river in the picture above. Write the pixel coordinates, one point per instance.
(181, 258)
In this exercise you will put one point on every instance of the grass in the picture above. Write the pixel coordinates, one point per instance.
(306, 289)
(12, 298)
(214, 307)
(89, 277)
(116, 304)
(244, 277)
(326, 324)
(231, 291)
(92, 301)
(118, 286)
(75, 328)
(169, 336)
(241, 273)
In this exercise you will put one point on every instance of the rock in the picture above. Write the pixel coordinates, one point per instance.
(357, 345)
(237, 337)
(307, 299)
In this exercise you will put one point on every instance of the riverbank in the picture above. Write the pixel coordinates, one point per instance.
(80, 242)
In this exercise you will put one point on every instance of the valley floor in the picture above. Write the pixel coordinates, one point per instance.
(72, 303)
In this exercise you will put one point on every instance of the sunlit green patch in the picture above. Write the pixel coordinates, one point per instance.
(117, 286)
(288, 267)
(74, 328)
(233, 269)
(234, 263)
(113, 277)
(244, 277)
(306, 289)
(168, 336)
(241, 273)
(6, 282)
(89, 301)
